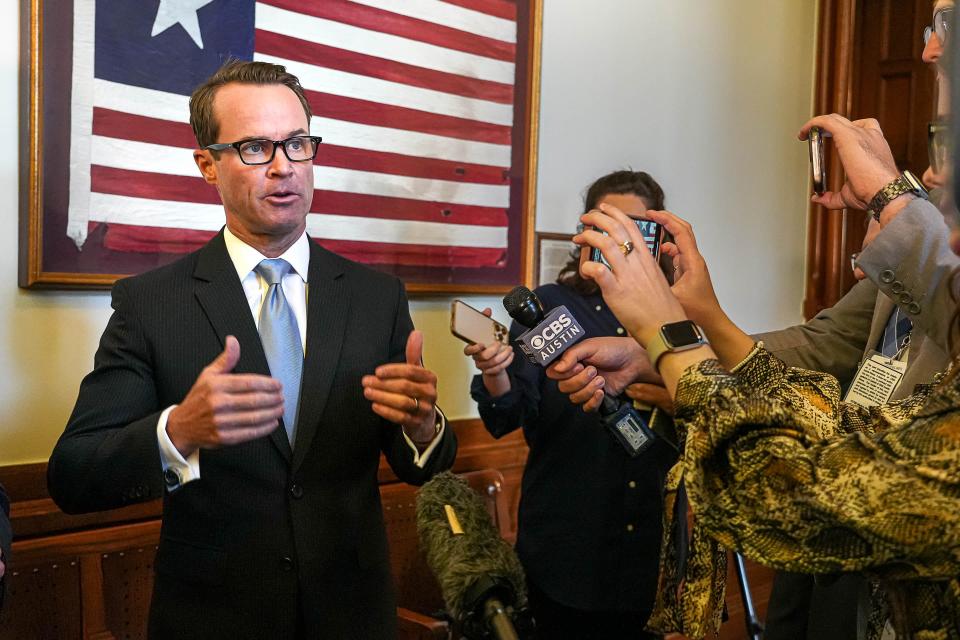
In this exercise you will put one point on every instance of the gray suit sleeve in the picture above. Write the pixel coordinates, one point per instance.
(911, 262)
(832, 341)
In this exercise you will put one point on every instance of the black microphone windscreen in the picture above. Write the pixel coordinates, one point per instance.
(523, 306)
(461, 561)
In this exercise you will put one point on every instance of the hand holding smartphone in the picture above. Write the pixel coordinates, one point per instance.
(653, 234)
(475, 327)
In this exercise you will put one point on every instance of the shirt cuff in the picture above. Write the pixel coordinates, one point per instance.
(420, 458)
(177, 470)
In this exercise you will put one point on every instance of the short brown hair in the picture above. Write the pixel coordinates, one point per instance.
(205, 126)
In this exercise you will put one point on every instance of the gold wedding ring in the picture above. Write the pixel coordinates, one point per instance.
(626, 248)
(416, 405)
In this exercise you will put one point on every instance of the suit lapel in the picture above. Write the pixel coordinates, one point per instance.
(221, 296)
(328, 308)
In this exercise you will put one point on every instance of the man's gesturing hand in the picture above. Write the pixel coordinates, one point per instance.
(224, 408)
(406, 393)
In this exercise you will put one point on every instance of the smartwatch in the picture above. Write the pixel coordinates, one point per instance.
(675, 336)
(906, 182)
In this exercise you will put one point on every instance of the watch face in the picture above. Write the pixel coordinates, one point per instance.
(681, 334)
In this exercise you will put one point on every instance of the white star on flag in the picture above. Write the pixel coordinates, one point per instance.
(182, 12)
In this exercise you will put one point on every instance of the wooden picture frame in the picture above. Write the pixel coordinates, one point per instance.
(550, 255)
(51, 259)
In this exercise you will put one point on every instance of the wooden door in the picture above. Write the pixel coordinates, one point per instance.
(880, 76)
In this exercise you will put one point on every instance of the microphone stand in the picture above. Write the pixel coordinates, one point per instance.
(487, 615)
(754, 626)
(499, 620)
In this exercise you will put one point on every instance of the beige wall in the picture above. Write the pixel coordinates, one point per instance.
(704, 95)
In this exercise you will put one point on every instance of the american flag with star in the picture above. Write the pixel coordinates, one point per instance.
(414, 99)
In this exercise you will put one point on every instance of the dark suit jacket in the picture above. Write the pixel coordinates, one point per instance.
(266, 534)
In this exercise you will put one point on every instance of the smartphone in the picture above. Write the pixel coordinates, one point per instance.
(652, 235)
(473, 327)
(817, 166)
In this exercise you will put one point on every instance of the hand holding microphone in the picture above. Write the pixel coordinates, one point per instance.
(596, 366)
(554, 333)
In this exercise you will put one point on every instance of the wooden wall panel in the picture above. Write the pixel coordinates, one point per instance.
(43, 601)
(127, 605)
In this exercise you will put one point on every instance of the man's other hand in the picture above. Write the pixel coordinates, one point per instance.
(406, 393)
(225, 408)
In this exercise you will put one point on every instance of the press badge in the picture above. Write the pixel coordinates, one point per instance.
(876, 380)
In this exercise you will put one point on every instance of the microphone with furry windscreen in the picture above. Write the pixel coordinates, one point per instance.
(479, 574)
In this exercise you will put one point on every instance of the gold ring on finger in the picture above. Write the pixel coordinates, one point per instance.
(626, 248)
(416, 405)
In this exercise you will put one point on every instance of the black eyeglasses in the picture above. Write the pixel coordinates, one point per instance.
(261, 151)
(940, 26)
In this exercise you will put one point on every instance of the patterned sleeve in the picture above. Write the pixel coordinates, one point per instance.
(777, 468)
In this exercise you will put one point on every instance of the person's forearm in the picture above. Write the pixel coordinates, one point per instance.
(497, 384)
(673, 365)
(730, 344)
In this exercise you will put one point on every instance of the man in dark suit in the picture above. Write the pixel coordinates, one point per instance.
(268, 532)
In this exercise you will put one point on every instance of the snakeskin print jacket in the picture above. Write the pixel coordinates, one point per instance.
(778, 468)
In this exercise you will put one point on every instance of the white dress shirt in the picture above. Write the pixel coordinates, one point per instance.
(245, 258)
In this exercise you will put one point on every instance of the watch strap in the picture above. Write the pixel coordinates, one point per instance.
(897, 187)
(656, 348)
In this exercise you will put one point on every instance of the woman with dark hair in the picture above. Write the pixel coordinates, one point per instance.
(590, 515)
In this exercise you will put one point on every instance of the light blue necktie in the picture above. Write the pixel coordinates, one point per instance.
(280, 336)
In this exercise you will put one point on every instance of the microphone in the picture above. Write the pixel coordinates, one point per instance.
(480, 577)
(551, 335)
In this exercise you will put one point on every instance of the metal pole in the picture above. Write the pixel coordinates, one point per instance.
(754, 626)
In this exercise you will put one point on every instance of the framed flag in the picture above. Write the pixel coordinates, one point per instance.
(427, 109)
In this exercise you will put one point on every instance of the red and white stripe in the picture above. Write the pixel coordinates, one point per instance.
(413, 98)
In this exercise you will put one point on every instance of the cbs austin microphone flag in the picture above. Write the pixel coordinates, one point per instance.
(413, 99)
